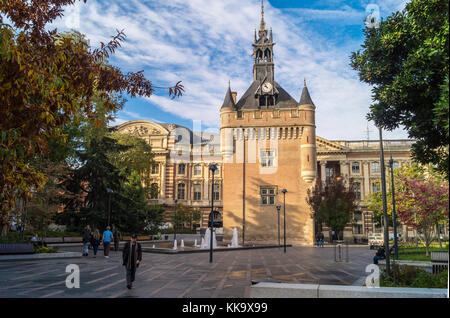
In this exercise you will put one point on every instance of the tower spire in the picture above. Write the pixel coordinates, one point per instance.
(262, 27)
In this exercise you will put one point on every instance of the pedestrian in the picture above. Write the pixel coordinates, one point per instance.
(107, 237)
(317, 239)
(321, 239)
(381, 254)
(132, 257)
(86, 234)
(96, 241)
(117, 237)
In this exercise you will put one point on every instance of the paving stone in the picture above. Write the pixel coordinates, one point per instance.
(185, 275)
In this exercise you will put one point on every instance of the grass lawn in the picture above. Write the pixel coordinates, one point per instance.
(418, 253)
(414, 257)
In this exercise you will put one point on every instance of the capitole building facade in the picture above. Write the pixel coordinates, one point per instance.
(267, 143)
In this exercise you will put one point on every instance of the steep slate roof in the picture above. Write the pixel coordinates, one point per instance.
(248, 100)
(305, 99)
(228, 101)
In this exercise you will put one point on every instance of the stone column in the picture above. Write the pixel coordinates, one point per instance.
(163, 180)
(323, 176)
(206, 181)
(366, 178)
(344, 168)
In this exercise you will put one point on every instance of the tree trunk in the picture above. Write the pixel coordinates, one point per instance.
(4, 230)
(439, 235)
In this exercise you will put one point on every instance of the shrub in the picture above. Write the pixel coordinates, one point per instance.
(409, 276)
(44, 249)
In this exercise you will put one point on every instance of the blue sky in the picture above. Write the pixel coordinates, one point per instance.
(206, 43)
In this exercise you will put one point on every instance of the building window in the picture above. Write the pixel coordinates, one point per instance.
(375, 187)
(329, 172)
(358, 229)
(239, 114)
(355, 167)
(268, 195)
(197, 170)
(181, 168)
(154, 191)
(181, 191)
(357, 189)
(155, 169)
(357, 216)
(216, 192)
(375, 167)
(197, 192)
(267, 158)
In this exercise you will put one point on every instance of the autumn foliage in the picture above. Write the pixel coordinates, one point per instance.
(45, 80)
(423, 204)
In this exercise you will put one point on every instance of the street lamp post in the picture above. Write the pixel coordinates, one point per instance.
(284, 217)
(175, 221)
(110, 192)
(213, 169)
(278, 210)
(383, 192)
(394, 214)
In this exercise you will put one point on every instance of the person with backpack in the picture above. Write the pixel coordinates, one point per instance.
(117, 236)
(96, 241)
(86, 235)
(132, 257)
(107, 238)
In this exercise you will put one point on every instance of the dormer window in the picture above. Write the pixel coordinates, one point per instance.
(266, 100)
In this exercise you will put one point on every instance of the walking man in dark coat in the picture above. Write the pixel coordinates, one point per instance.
(132, 256)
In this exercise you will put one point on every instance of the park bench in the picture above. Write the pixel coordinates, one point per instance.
(53, 240)
(17, 248)
(73, 239)
(439, 261)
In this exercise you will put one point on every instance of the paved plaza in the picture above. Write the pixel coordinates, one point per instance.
(182, 275)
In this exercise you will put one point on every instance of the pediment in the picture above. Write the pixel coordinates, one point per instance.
(325, 146)
(142, 128)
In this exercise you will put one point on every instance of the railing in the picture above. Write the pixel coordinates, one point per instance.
(369, 144)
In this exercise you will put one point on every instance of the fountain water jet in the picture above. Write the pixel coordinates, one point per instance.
(182, 244)
(175, 244)
(234, 239)
(207, 239)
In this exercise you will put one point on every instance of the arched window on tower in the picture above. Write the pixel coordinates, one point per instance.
(259, 56)
(267, 55)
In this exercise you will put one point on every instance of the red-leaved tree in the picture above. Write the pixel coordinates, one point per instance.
(422, 204)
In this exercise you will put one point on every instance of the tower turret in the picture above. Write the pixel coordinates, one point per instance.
(308, 141)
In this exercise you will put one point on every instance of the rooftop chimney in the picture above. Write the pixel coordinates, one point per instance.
(234, 94)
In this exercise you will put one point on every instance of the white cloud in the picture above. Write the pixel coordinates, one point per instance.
(206, 43)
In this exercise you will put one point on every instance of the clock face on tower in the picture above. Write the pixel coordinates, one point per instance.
(266, 87)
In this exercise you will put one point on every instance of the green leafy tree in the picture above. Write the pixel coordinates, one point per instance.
(130, 213)
(332, 204)
(45, 80)
(137, 157)
(185, 217)
(154, 218)
(406, 60)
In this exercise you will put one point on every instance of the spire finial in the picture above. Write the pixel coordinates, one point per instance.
(229, 84)
(304, 81)
(263, 24)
